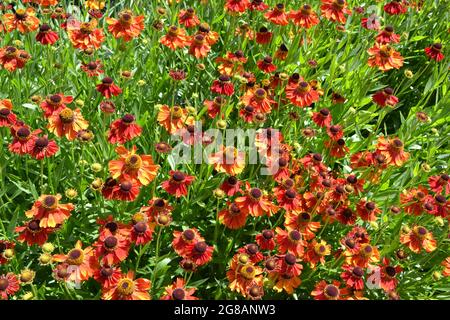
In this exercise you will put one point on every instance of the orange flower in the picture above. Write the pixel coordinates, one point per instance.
(127, 26)
(290, 241)
(228, 160)
(81, 258)
(367, 210)
(392, 150)
(128, 289)
(446, 265)
(335, 10)
(277, 15)
(188, 18)
(124, 129)
(417, 239)
(49, 211)
(23, 20)
(259, 100)
(316, 253)
(367, 254)
(305, 17)
(175, 38)
(242, 274)
(7, 117)
(173, 119)
(182, 239)
(12, 58)
(111, 248)
(384, 57)
(55, 103)
(139, 168)
(332, 291)
(302, 95)
(302, 222)
(233, 217)
(199, 47)
(178, 291)
(67, 123)
(85, 35)
(256, 203)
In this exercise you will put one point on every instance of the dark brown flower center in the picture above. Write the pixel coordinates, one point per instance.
(107, 81)
(128, 118)
(295, 235)
(178, 176)
(391, 271)
(4, 112)
(358, 272)
(370, 206)
(200, 247)
(189, 234)
(126, 186)
(255, 193)
(140, 227)
(111, 242)
(325, 112)
(33, 225)
(23, 132)
(290, 259)
(252, 249)
(44, 28)
(267, 234)
(112, 226)
(317, 157)
(291, 194)
(106, 272)
(331, 291)
(41, 143)
(224, 78)
(4, 283)
(178, 294)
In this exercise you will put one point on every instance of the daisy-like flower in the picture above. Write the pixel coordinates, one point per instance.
(182, 239)
(385, 98)
(242, 274)
(367, 210)
(395, 8)
(188, 18)
(228, 160)
(111, 248)
(141, 233)
(393, 150)
(173, 119)
(265, 240)
(179, 291)
(85, 35)
(46, 35)
(322, 118)
(23, 20)
(329, 291)
(258, 5)
(263, 36)
(93, 68)
(32, 233)
(302, 95)
(232, 216)
(5, 245)
(178, 183)
(199, 252)
(127, 27)
(107, 276)
(126, 190)
(42, 148)
(55, 103)
(50, 211)
(67, 123)
(266, 65)
(384, 57)
(199, 47)
(353, 276)
(335, 10)
(277, 15)
(305, 17)
(231, 186)
(237, 5)
(108, 88)
(214, 106)
(132, 166)
(440, 183)
(302, 221)
(435, 52)
(9, 285)
(12, 58)
(175, 38)
(259, 100)
(79, 257)
(128, 288)
(316, 252)
(387, 35)
(371, 23)
(256, 203)
(223, 86)
(124, 129)
(7, 117)
(388, 275)
(290, 241)
(367, 254)
(418, 238)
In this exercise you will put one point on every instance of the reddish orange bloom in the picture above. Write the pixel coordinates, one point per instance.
(367, 210)
(302, 95)
(126, 190)
(85, 35)
(223, 86)
(237, 5)
(214, 106)
(385, 97)
(316, 253)
(188, 18)
(178, 291)
(107, 88)
(393, 150)
(302, 222)
(434, 52)
(265, 240)
(49, 211)
(7, 117)
(173, 119)
(387, 35)
(46, 3)
(322, 118)
(266, 65)
(55, 103)
(124, 129)
(353, 276)
(277, 15)
(67, 122)
(305, 17)
(242, 274)
(290, 241)
(228, 160)
(384, 57)
(335, 10)
(81, 258)
(182, 239)
(141, 233)
(46, 35)
(23, 20)
(388, 273)
(366, 255)
(395, 8)
(128, 288)
(12, 58)
(127, 27)
(32, 233)
(446, 265)
(440, 183)
(43, 148)
(111, 248)
(417, 239)
(231, 186)
(332, 291)
(93, 68)
(175, 38)
(233, 217)
(199, 48)
(178, 183)
(259, 100)
(132, 166)
(256, 203)
(107, 276)
(9, 285)
(200, 253)
(4, 245)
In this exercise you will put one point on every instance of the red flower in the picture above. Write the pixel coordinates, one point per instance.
(126, 190)
(322, 118)
(305, 17)
(223, 86)
(258, 5)
(175, 38)
(434, 52)
(200, 253)
(256, 203)
(7, 117)
(43, 148)
(335, 132)
(353, 276)
(332, 291)
(50, 211)
(385, 97)
(93, 68)
(32, 233)
(141, 233)
(55, 103)
(127, 27)
(231, 186)
(265, 240)
(178, 291)
(9, 285)
(123, 130)
(111, 248)
(290, 241)
(394, 8)
(12, 58)
(107, 276)
(183, 239)
(440, 183)
(237, 5)
(266, 65)
(46, 35)
(393, 150)
(178, 183)
(387, 35)
(388, 273)
(199, 47)
(302, 95)
(277, 15)
(128, 289)
(335, 10)
(107, 88)
(188, 18)
(367, 211)
(233, 217)
(263, 36)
